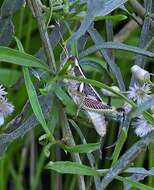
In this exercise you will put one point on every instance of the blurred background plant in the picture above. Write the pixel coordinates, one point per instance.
(44, 138)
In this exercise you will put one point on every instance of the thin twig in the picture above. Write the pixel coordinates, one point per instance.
(32, 157)
(139, 9)
(140, 59)
(124, 33)
(36, 8)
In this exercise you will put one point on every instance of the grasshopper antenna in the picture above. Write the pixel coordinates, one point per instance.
(63, 45)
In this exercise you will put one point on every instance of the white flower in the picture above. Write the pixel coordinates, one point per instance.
(6, 108)
(1, 119)
(139, 93)
(142, 127)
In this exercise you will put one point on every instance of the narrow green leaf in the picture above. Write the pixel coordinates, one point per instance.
(119, 145)
(94, 9)
(67, 167)
(34, 100)
(114, 17)
(20, 58)
(119, 17)
(66, 100)
(33, 95)
(134, 183)
(82, 148)
(66, 65)
(116, 45)
(72, 168)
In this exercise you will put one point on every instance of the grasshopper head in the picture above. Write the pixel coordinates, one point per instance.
(71, 65)
(120, 114)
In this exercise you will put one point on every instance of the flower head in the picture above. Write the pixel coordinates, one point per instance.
(139, 93)
(142, 127)
(6, 108)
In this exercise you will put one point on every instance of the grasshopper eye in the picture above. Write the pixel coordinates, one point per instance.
(121, 113)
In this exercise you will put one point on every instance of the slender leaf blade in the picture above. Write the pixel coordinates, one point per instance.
(67, 167)
(20, 58)
(82, 148)
(116, 45)
(34, 99)
(134, 183)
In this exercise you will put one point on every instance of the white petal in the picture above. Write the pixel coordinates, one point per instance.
(1, 120)
(142, 127)
(6, 108)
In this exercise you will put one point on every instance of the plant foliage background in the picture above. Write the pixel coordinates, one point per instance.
(44, 144)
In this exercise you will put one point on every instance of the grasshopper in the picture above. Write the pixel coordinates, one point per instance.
(86, 97)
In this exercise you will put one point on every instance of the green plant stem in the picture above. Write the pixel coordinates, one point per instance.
(39, 168)
(151, 164)
(17, 180)
(90, 156)
(2, 181)
(28, 33)
(21, 20)
(44, 35)
(32, 161)
(140, 10)
(23, 158)
(70, 141)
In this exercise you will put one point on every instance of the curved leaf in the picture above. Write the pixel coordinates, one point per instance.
(34, 100)
(116, 45)
(82, 148)
(72, 168)
(16, 57)
(96, 8)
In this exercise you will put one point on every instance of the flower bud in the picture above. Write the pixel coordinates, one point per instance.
(140, 74)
